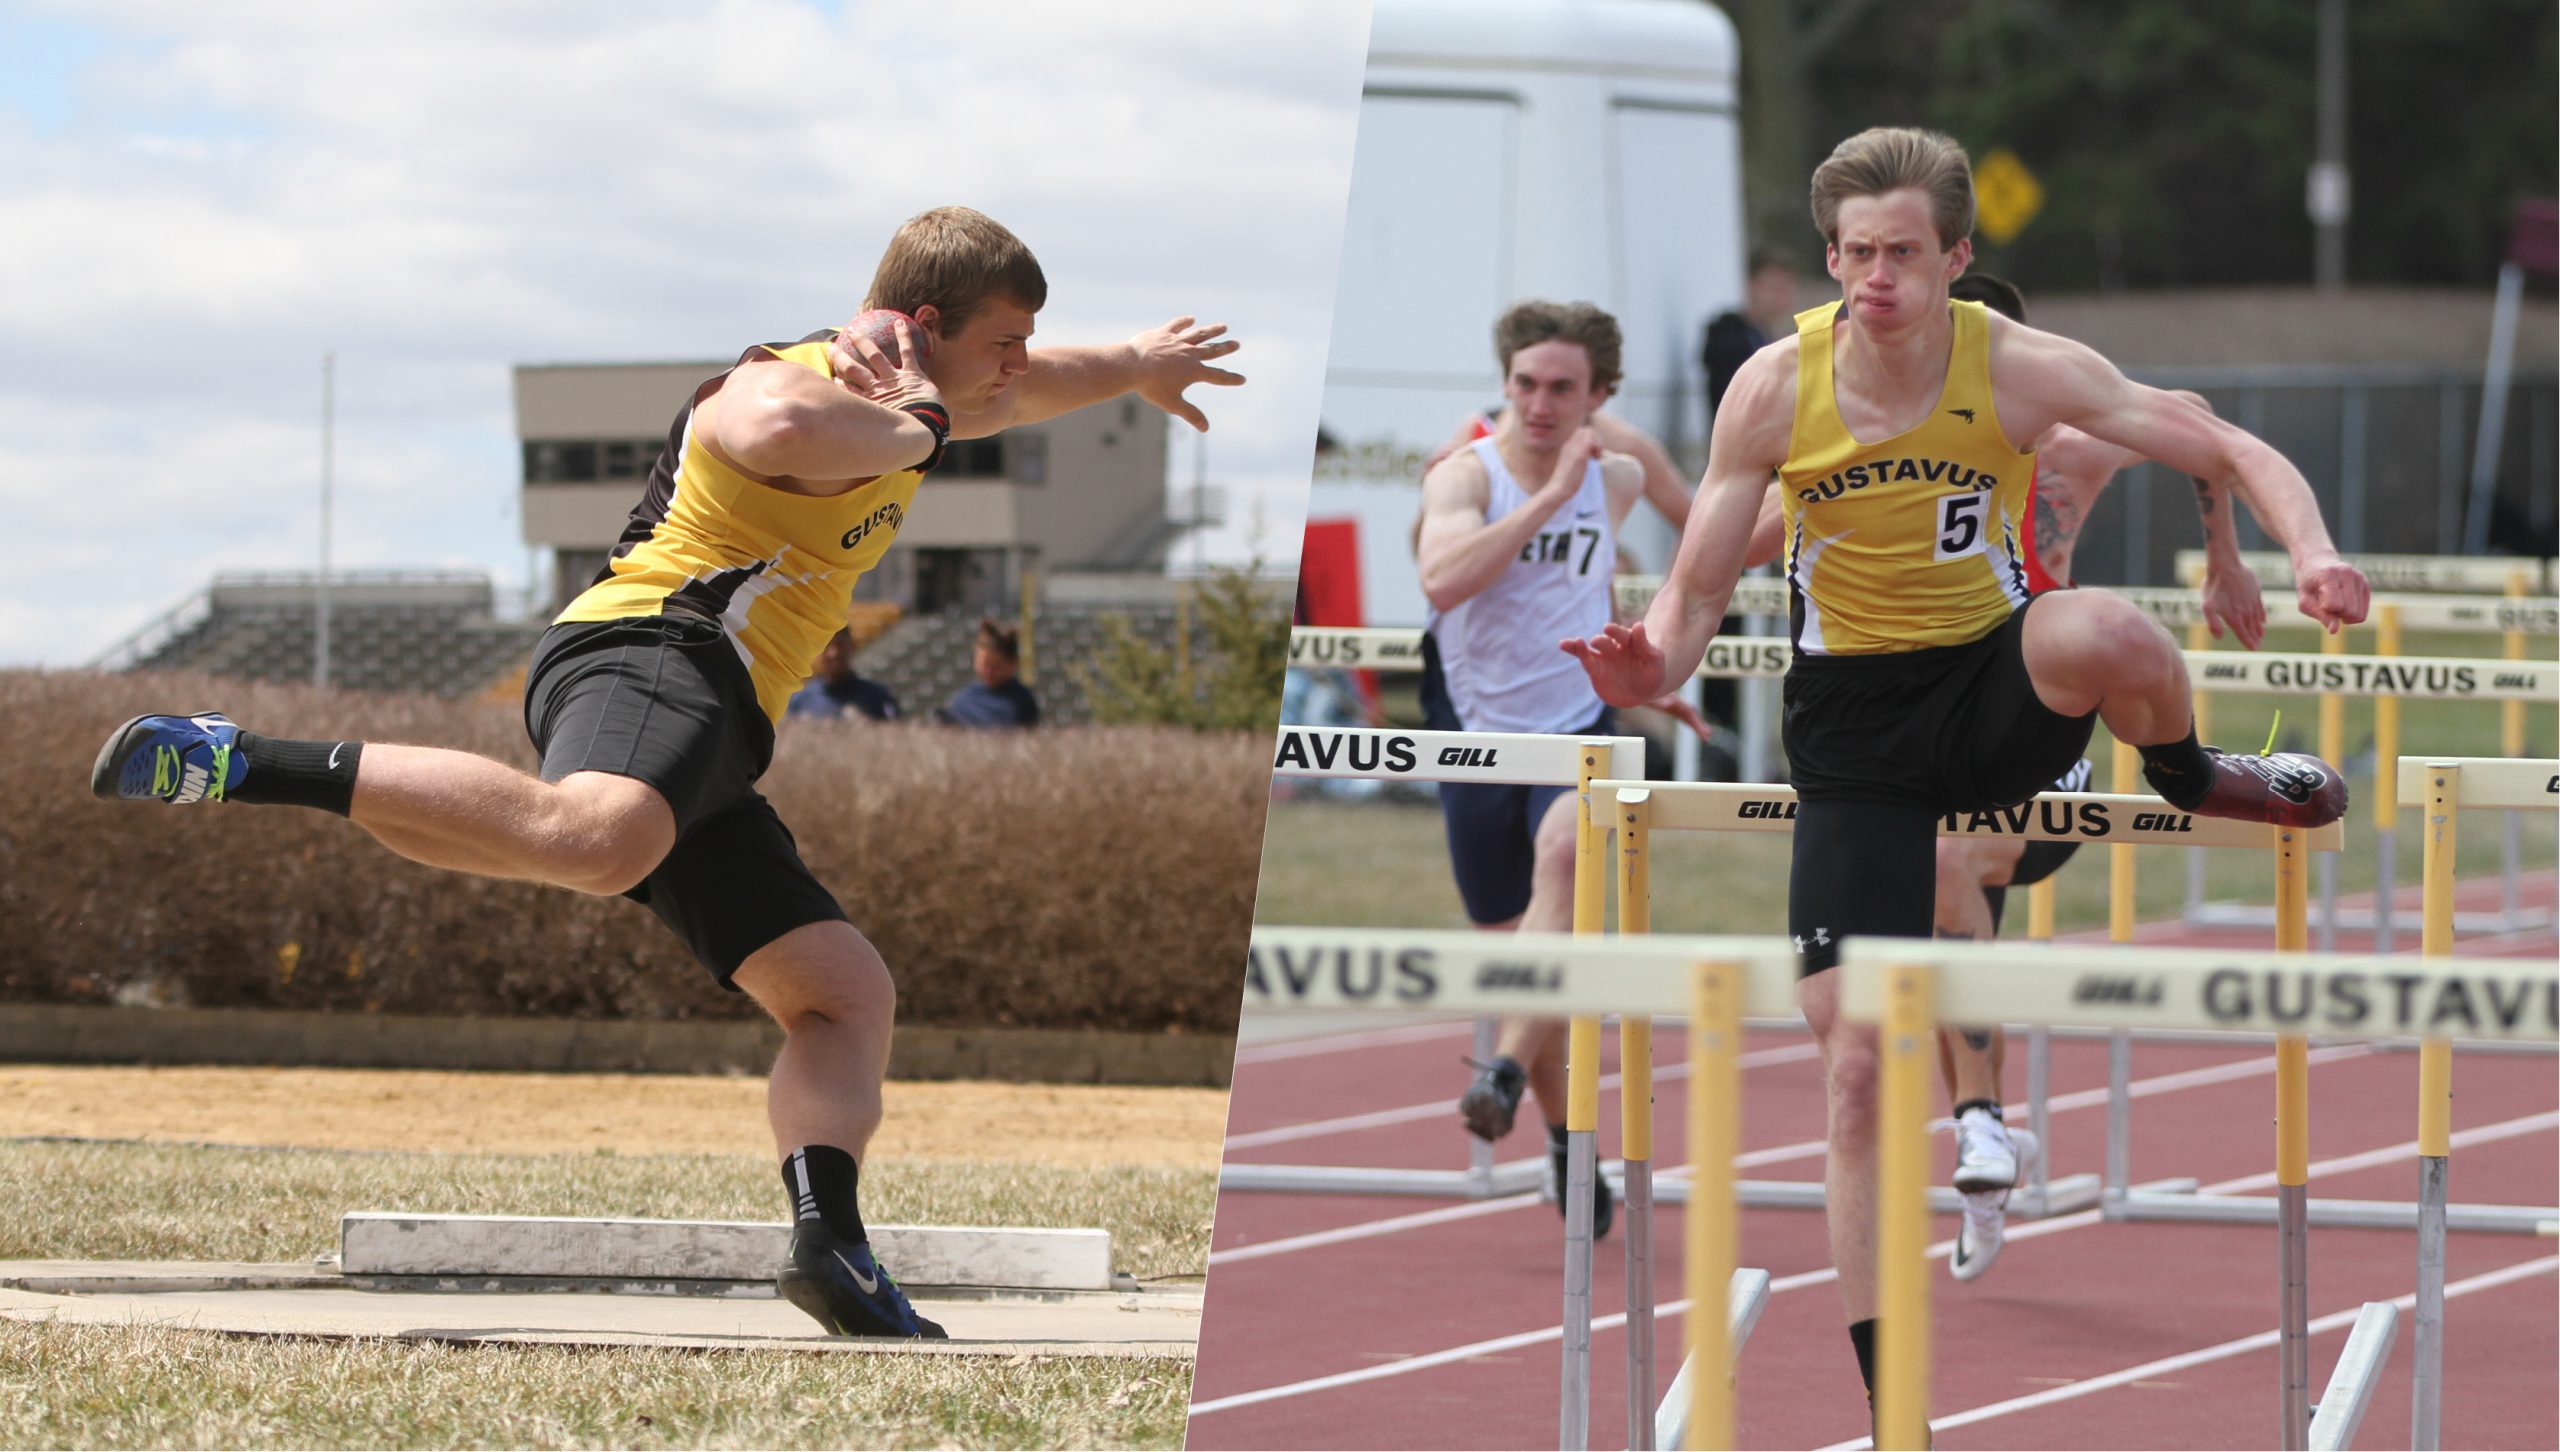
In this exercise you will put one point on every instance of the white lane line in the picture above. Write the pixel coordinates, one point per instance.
(2335, 1320)
(1370, 1228)
(1343, 1043)
(1448, 1108)
(2482, 1134)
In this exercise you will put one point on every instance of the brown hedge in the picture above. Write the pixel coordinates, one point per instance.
(1100, 877)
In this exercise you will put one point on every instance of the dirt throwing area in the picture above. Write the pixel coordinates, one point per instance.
(380, 1109)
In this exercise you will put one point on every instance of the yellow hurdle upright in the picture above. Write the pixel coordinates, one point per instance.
(1582, 1113)
(1908, 1042)
(1712, 1221)
(2293, 1164)
(1635, 1125)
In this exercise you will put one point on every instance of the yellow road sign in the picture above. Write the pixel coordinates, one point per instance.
(2006, 196)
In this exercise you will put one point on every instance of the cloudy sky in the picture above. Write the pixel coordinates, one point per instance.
(197, 202)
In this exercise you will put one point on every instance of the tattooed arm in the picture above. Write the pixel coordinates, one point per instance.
(2232, 599)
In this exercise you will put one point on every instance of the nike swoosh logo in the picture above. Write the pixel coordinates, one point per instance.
(333, 755)
(870, 1285)
(1584, 513)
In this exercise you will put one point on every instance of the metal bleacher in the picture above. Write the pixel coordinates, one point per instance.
(431, 631)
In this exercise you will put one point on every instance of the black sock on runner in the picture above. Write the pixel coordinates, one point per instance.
(297, 773)
(1987, 1106)
(2179, 770)
(822, 1183)
(1862, 1339)
(1556, 1139)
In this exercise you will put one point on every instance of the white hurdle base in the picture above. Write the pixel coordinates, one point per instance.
(1744, 1301)
(2063, 1195)
(1510, 1178)
(568, 1248)
(2340, 1410)
(2154, 1204)
(2407, 920)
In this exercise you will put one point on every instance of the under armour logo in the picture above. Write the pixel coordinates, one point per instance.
(1963, 413)
(1821, 939)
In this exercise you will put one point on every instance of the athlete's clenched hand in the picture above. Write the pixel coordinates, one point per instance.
(891, 385)
(2331, 591)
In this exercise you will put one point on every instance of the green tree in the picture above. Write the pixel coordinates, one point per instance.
(1239, 649)
(2172, 136)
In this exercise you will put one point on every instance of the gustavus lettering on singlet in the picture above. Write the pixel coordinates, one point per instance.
(1320, 750)
(1896, 471)
(1358, 975)
(891, 514)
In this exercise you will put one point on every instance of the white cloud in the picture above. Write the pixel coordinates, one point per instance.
(440, 192)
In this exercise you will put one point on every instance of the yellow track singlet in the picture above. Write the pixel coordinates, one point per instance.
(774, 569)
(1912, 541)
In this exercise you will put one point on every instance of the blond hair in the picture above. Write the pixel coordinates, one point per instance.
(1530, 323)
(956, 259)
(1885, 159)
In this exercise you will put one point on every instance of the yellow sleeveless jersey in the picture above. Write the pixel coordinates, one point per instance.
(774, 569)
(1912, 541)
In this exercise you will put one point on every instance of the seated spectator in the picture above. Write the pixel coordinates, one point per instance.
(835, 692)
(999, 699)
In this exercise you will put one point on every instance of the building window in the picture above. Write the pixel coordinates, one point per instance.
(586, 461)
(972, 459)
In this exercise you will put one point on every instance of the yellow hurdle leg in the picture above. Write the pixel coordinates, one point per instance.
(1635, 1125)
(1909, 1045)
(2435, 1123)
(1715, 1137)
(1582, 1117)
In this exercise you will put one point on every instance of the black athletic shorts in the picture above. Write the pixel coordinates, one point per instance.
(1493, 836)
(1880, 747)
(665, 700)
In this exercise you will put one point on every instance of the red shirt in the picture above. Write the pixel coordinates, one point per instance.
(2038, 579)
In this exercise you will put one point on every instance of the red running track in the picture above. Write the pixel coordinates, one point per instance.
(1333, 1322)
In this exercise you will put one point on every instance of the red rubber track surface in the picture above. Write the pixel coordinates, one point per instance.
(1445, 1334)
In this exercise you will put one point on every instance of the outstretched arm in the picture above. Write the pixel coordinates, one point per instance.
(1157, 365)
(2053, 380)
(1633, 664)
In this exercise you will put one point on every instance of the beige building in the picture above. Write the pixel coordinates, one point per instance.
(1080, 494)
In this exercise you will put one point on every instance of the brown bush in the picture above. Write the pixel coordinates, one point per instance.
(1081, 878)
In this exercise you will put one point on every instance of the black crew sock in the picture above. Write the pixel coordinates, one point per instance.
(1987, 1106)
(297, 773)
(821, 1180)
(1862, 1339)
(2179, 770)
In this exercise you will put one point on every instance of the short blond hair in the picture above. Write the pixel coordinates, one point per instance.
(1885, 159)
(956, 259)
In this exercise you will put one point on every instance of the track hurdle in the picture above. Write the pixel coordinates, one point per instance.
(1909, 987)
(2119, 820)
(2442, 787)
(1439, 756)
(1715, 982)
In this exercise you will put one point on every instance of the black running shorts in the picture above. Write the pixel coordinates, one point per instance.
(1880, 747)
(665, 700)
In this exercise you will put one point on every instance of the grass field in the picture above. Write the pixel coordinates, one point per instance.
(1381, 865)
(134, 1387)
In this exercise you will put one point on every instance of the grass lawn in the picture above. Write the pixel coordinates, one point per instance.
(139, 1387)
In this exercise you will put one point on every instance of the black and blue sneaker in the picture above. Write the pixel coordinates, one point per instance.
(170, 759)
(841, 1285)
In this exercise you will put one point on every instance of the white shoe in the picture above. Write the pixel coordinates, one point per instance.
(1979, 1236)
(1986, 1157)
(1981, 1233)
